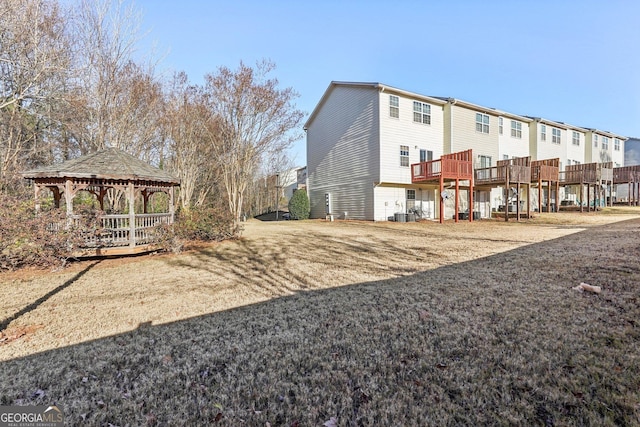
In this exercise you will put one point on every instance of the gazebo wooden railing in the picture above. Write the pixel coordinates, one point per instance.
(507, 172)
(547, 170)
(629, 175)
(449, 167)
(115, 231)
(594, 175)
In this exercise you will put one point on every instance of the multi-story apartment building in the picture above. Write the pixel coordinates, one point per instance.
(362, 139)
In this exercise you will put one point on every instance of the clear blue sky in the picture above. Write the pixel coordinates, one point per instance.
(571, 61)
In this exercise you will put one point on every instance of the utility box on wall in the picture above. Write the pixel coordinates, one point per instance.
(327, 203)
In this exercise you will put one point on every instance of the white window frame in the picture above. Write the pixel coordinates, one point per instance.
(421, 113)
(575, 138)
(484, 161)
(482, 123)
(595, 140)
(500, 127)
(616, 144)
(556, 136)
(394, 106)
(404, 156)
(605, 142)
(543, 133)
(516, 129)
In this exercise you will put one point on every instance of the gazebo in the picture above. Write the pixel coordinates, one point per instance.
(116, 173)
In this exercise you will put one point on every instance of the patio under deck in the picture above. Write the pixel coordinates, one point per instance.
(629, 175)
(511, 171)
(589, 174)
(454, 167)
(547, 170)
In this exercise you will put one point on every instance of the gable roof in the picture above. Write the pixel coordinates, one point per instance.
(110, 163)
(370, 85)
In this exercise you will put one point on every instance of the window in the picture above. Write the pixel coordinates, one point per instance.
(482, 123)
(568, 162)
(516, 129)
(484, 161)
(500, 125)
(616, 144)
(575, 140)
(404, 155)
(556, 136)
(543, 133)
(595, 140)
(505, 157)
(421, 112)
(426, 155)
(605, 142)
(394, 106)
(575, 162)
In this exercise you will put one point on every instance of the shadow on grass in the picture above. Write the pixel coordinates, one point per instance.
(5, 323)
(501, 340)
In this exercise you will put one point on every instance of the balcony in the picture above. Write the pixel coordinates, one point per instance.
(448, 167)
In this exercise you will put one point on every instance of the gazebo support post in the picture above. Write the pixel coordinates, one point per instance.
(171, 207)
(131, 196)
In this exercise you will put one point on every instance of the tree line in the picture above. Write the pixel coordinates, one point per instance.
(70, 84)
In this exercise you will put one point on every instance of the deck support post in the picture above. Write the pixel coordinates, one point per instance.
(455, 216)
(528, 201)
(518, 201)
(506, 197)
(589, 198)
(471, 200)
(441, 199)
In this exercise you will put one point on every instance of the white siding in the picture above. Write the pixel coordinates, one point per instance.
(464, 135)
(576, 152)
(512, 146)
(617, 156)
(548, 149)
(395, 132)
(343, 154)
(390, 200)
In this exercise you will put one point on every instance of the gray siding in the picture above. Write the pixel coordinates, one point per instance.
(343, 152)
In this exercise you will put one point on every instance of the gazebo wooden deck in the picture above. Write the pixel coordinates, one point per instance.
(507, 172)
(115, 173)
(454, 167)
(547, 170)
(629, 175)
(596, 175)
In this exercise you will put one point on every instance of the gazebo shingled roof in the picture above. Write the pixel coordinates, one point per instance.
(110, 163)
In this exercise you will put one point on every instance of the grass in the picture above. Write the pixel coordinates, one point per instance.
(427, 332)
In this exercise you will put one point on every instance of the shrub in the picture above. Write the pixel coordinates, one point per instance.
(27, 239)
(299, 207)
(205, 223)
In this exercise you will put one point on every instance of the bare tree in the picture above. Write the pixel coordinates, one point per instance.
(117, 99)
(34, 60)
(190, 156)
(252, 120)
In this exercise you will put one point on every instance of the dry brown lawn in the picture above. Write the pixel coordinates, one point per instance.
(366, 323)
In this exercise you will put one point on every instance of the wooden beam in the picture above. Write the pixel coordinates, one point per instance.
(441, 198)
(132, 214)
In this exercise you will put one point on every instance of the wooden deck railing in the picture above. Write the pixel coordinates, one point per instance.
(589, 173)
(544, 173)
(498, 174)
(626, 174)
(447, 168)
